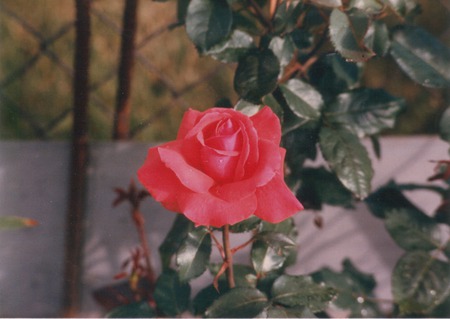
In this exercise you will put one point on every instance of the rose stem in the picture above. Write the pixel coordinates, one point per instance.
(139, 222)
(228, 256)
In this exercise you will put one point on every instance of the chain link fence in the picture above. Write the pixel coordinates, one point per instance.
(36, 70)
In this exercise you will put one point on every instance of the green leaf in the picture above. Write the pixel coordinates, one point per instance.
(205, 298)
(275, 239)
(371, 7)
(411, 229)
(246, 225)
(387, 198)
(365, 111)
(348, 158)
(247, 108)
(134, 310)
(332, 75)
(283, 48)
(193, 255)
(377, 38)
(171, 295)
(233, 48)
(347, 31)
(328, 3)
(320, 186)
(269, 254)
(403, 7)
(238, 303)
(304, 101)
(275, 311)
(256, 75)
(421, 56)
(182, 7)
(208, 22)
(420, 283)
(301, 145)
(14, 222)
(352, 287)
(444, 125)
(294, 291)
(174, 239)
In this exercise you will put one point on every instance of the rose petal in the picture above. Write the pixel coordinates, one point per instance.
(161, 182)
(276, 202)
(188, 175)
(190, 118)
(208, 210)
(267, 125)
(269, 164)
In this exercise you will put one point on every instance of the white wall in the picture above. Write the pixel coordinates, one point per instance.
(34, 183)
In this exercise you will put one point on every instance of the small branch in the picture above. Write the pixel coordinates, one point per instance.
(139, 222)
(216, 241)
(260, 14)
(237, 248)
(228, 256)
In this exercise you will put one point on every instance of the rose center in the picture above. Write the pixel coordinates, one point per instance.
(220, 154)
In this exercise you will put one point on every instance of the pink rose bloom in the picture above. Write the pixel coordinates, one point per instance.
(223, 167)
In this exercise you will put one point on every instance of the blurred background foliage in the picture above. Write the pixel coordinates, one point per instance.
(36, 61)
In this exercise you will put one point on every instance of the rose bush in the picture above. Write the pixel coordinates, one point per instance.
(223, 167)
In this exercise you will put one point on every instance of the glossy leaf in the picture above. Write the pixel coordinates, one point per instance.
(14, 222)
(444, 125)
(347, 31)
(403, 7)
(420, 283)
(352, 286)
(276, 311)
(371, 7)
(193, 255)
(412, 229)
(246, 107)
(320, 186)
(256, 75)
(302, 145)
(283, 48)
(171, 295)
(238, 303)
(233, 48)
(387, 198)
(365, 111)
(348, 158)
(421, 56)
(208, 22)
(246, 225)
(174, 239)
(332, 75)
(328, 3)
(294, 291)
(205, 298)
(377, 38)
(268, 255)
(134, 310)
(304, 100)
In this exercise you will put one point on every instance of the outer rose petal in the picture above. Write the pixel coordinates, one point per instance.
(190, 118)
(267, 125)
(208, 210)
(161, 182)
(189, 176)
(276, 202)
